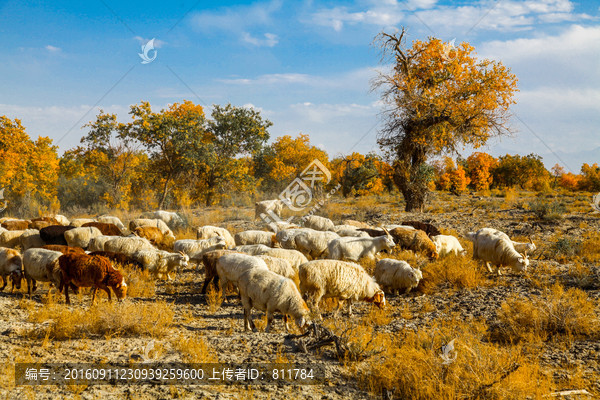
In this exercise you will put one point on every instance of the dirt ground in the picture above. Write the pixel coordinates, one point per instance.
(222, 329)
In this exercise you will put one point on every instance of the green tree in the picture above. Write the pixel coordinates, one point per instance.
(439, 99)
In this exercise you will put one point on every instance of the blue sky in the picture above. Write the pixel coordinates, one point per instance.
(305, 64)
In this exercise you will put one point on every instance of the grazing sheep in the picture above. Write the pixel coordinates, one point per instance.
(42, 222)
(55, 234)
(270, 292)
(155, 236)
(352, 248)
(255, 237)
(252, 249)
(118, 258)
(41, 265)
(349, 230)
(83, 270)
(281, 267)
(11, 238)
(15, 225)
(80, 237)
(495, 247)
(429, 229)
(415, 240)
(340, 279)
(318, 223)
(31, 238)
(97, 243)
(263, 207)
(11, 266)
(209, 259)
(446, 244)
(158, 223)
(78, 222)
(196, 248)
(287, 238)
(107, 229)
(161, 263)
(208, 231)
(315, 244)
(173, 220)
(231, 266)
(294, 257)
(127, 245)
(396, 275)
(109, 219)
(63, 249)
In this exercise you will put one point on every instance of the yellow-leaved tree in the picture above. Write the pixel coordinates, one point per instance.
(439, 98)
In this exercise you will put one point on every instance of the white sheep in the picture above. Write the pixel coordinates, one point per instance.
(287, 238)
(231, 266)
(173, 220)
(127, 245)
(209, 231)
(281, 267)
(524, 247)
(161, 263)
(446, 244)
(78, 222)
(157, 223)
(263, 207)
(276, 226)
(41, 265)
(64, 221)
(314, 244)
(294, 257)
(80, 237)
(109, 219)
(97, 243)
(10, 266)
(11, 238)
(396, 275)
(255, 237)
(495, 247)
(318, 223)
(252, 249)
(351, 248)
(196, 248)
(30, 239)
(270, 292)
(340, 279)
(349, 230)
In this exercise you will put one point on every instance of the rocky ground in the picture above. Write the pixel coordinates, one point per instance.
(222, 329)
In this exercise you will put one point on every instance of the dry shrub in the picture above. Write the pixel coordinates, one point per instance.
(589, 249)
(583, 276)
(457, 271)
(109, 319)
(414, 366)
(140, 284)
(558, 312)
(358, 340)
(214, 298)
(195, 350)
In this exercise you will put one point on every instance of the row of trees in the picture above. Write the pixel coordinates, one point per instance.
(177, 157)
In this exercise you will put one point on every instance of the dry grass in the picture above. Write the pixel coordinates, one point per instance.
(214, 298)
(456, 271)
(140, 284)
(61, 322)
(556, 313)
(589, 249)
(194, 350)
(413, 366)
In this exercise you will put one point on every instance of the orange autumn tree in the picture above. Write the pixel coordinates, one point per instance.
(480, 166)
(280, 163)
(590, 177)
(438, 99)
(28, 169)
(452, 177)
(360, 175)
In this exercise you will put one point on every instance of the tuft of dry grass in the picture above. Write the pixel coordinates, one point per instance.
(214, 298)
(556, 313)
(60, 322)
(140, 284)
(195, 350)
(414, 366)
(457, 271)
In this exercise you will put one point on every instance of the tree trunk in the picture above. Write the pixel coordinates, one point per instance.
(412, 184)
(163, 196)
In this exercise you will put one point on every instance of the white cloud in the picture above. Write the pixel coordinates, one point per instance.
(53, 49)
(269, 39)
(338, 16)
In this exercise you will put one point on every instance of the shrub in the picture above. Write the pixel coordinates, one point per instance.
(547, 211)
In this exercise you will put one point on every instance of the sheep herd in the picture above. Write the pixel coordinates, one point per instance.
(286, 269)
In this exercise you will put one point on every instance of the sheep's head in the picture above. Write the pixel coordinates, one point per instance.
(183, 260)
(522, 263)
(120, 289)
(378, 299)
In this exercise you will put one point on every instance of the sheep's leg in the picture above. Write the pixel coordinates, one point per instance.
(29, 284)
(270, 317)
(349, 301)
(107, 290)
(487, 264)
(4, 281)
(94, 289)
(67, 300)
(285, 322)
(207, 280)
